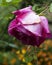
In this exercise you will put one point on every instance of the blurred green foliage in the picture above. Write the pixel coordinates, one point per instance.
(51, 7)
(11, 49)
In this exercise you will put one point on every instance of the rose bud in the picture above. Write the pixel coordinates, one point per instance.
(28, 27)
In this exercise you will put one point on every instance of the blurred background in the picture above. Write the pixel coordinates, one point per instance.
(12, 52)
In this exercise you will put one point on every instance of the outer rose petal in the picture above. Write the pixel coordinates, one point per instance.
(24, 10)
(12, 24)
(44, 24)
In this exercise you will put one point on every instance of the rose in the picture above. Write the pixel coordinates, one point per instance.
(28, 27)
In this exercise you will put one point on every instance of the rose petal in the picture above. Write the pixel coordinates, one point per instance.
(35, 29)
(29, 18)
(24, 10)
(44, 23)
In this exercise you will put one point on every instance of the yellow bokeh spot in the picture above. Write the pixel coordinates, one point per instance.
(46, 59)
(23, 51)
(13, 61)
(29, 63)
(20, 56)
(44, 54)
(23, 60)
(49, 63)
(50, 57)
(40, 53)
(41, 46)
(18, 52)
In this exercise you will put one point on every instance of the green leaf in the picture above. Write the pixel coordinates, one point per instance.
(0, 1)
(8, 0)
(16, 1)
(28, 58)
(1, 58)
(4, 44)
(34, 6)
(35, 57)
(51, 7)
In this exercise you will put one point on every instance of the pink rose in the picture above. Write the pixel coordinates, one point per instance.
(28, 27)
